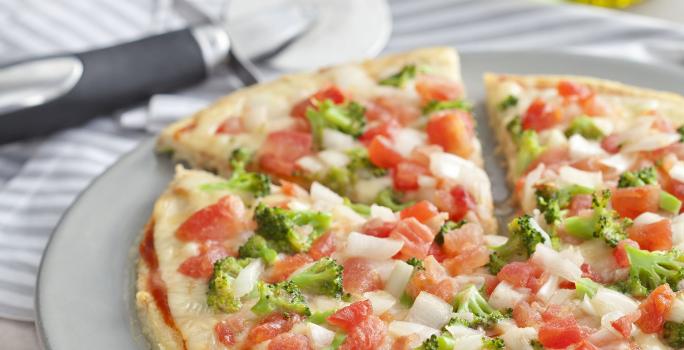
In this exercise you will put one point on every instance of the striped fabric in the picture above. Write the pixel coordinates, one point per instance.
(40, 179)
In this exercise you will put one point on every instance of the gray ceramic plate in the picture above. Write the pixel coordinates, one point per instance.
(85, 286)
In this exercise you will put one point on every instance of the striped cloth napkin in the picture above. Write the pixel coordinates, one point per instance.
(40, 179)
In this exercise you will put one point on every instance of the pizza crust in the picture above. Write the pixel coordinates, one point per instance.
(674, 103)
(200, 153)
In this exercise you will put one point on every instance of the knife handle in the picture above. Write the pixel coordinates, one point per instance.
(63, 91)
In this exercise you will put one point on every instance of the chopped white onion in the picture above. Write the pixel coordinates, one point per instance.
(191, 249)
(676, 313)
(429, 310)
(607, 320)
(463, 172)
(324, 194)
(648, 341)
(607, 300)
(427, 181)
(320, 336)
(494, 240)
(554, 263)
(334, 158)
(466, 338)
(401, 274)
(581, 148)
(403, 328)
(504, 296)
(647, 218)
(677, 171)
(366, 190)
(381, 301)
(650, 142)
(310, 164)
(620, 162)
(371, 247)
(505, 89)
(529, 201)
(348, 214)
(384, 268)
(553, 138)
(572, 176)
(604, 124)
(383, 213)
(298, 205)
(458, 330)
(519, 338)
(548, 289)
(248, 277)
(333, 139)
(406, 139)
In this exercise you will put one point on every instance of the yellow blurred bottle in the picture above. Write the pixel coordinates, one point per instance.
(609, 3)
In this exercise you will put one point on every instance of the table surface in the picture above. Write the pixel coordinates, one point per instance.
(22, 335)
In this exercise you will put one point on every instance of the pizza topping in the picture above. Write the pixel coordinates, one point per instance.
(348, 118)
(241, 180)
(452, 131)
(271, 326)
(382, 154)
(202, 265)
(399, 79)
(332, 93)
(525, 234)
(359, 276)
(433, 87)
(541, 116)
(324, 277)
(281, 149)
(290, 341)
(285, 230)
(649, 270)
(654, 309)
(216, 222)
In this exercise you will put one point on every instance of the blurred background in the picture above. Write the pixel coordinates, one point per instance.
(40, 177)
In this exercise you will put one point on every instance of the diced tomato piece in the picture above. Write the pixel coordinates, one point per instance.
(465, 249)
(377, 227)
(633, 201)
(387, 129)
(490, 284)
(382, 154)
(281, 149)
(572, 89)
(231, 126)
(620, 254)
(359, 276)
(227, 330)
(271, 326)
(611, 143)
(673, 187)
(422, 211)
(540, 116)
(202, 265)
(587, 272)
(292, 189)
(433, 87)
(624, 324)
(453, 131)
(323, 246)
(525, 315)
(437, 252)
(594, 106)
(387, 109)
(416, 236)
(654, 309)
(330, 93)
(434, 280)
(283, 268)
(461, 203)
(522, 275)
(290, 341)
(653, 236)
(560, 333)
(405, 175)
(215, 222)
(578, 203)
(369, 334)
(351, 315)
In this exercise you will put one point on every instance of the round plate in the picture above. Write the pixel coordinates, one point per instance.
(85, 297)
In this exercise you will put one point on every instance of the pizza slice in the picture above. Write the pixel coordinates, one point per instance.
(376, 131)
(596, 166)
(243, 263)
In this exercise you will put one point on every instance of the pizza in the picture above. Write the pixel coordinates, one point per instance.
(596, 164)
(348, 209)
(373, 132)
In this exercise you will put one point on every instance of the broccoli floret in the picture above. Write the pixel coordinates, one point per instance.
(673, 334)
(399, 79)
(514, 128)
(348, 118)
(645, 176)
(416, 263)
(359, 208)
(551, 201)
(443, 341)
(471, 301)
(257, 184)
(282, 227)
(648, 270)
(324, 277)
(448, 226)
(342, 179)
(529, 149)
(525, 234)
(584, 126)
(536, 345)
(493, 343)
(361, 166)
(390, 199)
(585, 286)
(508, 102)
(434, 106)
(257, 247)
(282, 297)
(607, 222)
(220, 295)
